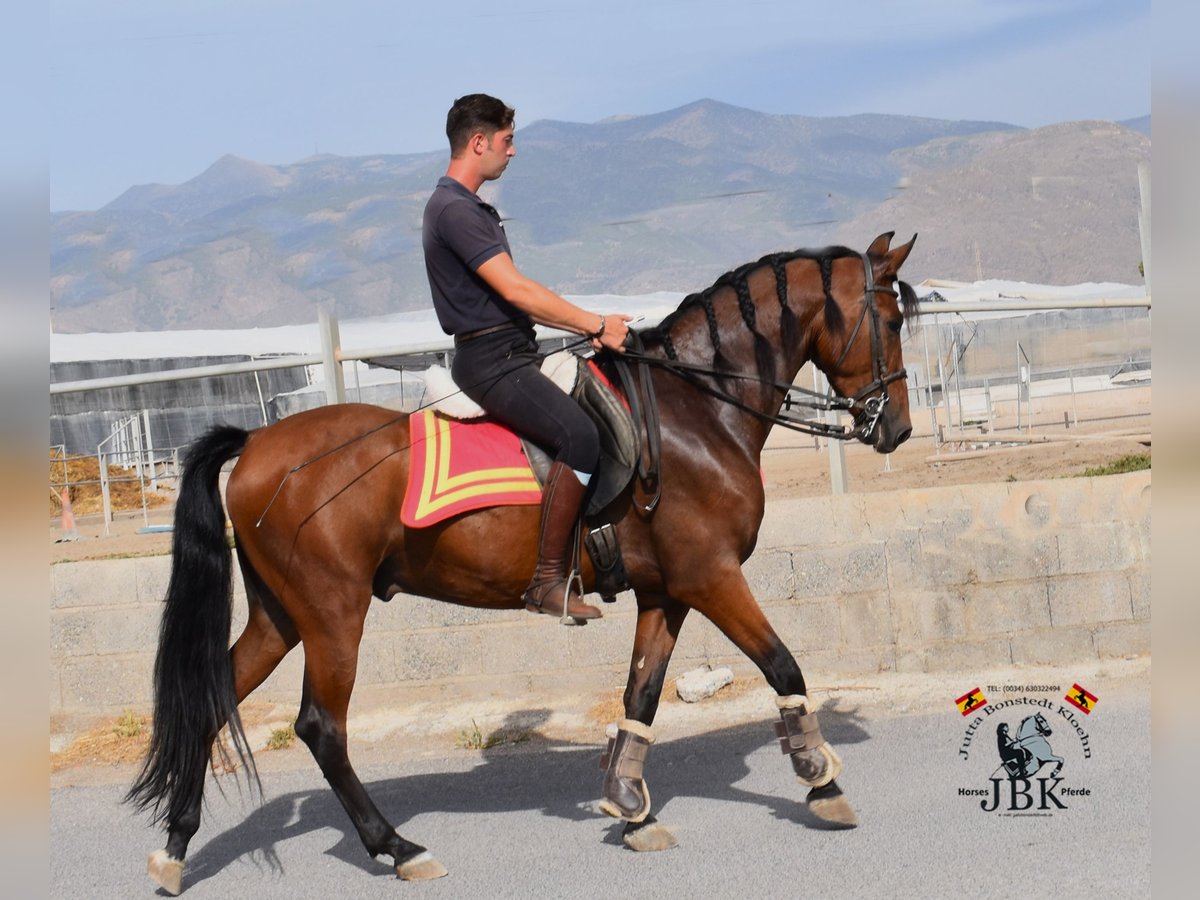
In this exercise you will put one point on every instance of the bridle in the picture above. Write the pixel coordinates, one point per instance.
(872, 406)
(872, 398)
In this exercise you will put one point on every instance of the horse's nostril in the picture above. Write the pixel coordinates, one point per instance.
(903, 436)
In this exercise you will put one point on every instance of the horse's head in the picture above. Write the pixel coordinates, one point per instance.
(860, 350)
(1032, 725)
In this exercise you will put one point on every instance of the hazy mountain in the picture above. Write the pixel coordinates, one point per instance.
(629, 205)
(1057, 205)
(1141, 123)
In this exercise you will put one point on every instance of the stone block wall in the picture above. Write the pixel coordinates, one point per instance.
(945, 579)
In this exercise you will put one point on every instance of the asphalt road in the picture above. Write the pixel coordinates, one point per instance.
(522, 821)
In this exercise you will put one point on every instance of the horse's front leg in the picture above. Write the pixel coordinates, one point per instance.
(727, 602)
(626, 795)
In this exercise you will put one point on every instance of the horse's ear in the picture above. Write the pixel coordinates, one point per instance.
(895, 258)
(880, 245)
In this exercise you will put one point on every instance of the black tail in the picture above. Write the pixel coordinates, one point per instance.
(193, 679)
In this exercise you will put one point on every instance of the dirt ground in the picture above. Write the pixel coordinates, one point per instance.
(791, 468)
(796, 470)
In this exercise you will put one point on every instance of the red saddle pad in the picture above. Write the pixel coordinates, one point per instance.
(457, 465)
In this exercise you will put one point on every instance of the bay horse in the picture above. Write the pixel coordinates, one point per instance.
(317, 529)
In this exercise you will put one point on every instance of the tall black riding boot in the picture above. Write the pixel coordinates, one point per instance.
(552, 586)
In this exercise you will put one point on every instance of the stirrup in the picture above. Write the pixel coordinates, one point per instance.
(573, 582)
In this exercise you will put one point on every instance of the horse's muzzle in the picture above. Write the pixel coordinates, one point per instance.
(886, 436)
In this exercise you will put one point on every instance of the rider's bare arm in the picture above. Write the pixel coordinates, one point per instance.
(547, 308)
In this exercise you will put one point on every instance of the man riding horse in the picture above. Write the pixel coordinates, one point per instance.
(490, 307)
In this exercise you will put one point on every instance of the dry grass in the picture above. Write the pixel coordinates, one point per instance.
(82, 473)
(282, 738)
(474, 739)
(1134, 462)
(120, 741)
(125, 739)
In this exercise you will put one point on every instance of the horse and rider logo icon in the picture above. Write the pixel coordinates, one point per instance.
(1024, 755)
(1029, 780)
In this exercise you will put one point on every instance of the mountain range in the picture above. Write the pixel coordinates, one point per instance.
(630, 205)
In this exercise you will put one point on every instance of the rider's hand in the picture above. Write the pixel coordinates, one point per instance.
(615, 332)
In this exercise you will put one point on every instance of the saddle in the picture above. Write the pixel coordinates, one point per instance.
(618, 438)
(621, 417)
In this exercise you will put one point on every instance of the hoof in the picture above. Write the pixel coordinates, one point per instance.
(166, 871)
(648, 836)
(830, 804)
(422, 867)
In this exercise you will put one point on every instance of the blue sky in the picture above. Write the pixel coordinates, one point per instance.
(143, 91)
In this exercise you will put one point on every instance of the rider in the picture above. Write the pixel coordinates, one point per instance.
(1015, 757)
(490, 307)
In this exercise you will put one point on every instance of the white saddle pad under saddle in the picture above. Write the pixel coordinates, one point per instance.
(443, 395)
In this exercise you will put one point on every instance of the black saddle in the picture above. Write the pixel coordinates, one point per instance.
(618, 440)
(620, 458)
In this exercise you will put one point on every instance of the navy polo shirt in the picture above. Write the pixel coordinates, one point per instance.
(461, 232)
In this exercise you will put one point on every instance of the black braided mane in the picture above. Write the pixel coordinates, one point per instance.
(738, 280)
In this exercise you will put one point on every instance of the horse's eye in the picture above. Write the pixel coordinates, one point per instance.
(895, 325)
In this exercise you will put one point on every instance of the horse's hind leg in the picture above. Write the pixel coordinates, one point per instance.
(254, 656)
(625, 792)
(329, 670)
(728, 604)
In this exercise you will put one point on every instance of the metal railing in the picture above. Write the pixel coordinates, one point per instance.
(333, 356)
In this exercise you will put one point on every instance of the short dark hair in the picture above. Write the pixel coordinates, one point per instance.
(473, 114)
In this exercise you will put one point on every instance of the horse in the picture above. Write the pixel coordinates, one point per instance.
(1031, 737)
(314, 501)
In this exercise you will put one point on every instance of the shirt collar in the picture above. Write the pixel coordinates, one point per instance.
(463, 191)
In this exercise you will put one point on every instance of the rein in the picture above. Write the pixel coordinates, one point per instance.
(873, 406)
(646, 418)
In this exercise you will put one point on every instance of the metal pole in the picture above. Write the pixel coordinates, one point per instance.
(1074, 411)
(139, 460)
(140, 448)
(335, 380)
(942, 376)
(958, 385)
(1024, 385)
(261, 403)
(837, 449)
(1144, 220)
(929, 390)
(1018, 386)
(150, 450)
(104, 490)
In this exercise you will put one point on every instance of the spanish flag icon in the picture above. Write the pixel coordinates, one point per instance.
(970, 701)
(1081, 699)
